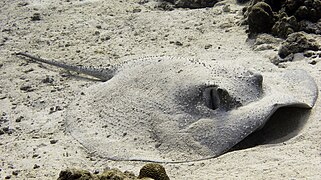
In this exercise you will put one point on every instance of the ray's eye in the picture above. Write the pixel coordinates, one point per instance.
(211, 97)
(219, 98)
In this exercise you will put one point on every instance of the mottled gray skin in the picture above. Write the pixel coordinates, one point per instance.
(168, 109)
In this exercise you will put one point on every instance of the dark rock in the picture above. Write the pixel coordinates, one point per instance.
(36, 17)
(193, 3)
(7, 130)
(58, 108)
(302, 12)
(3, 118)
(165, 6)
(207, 46)
(20, 4)
(113, 174)
(314, 56)
(276, 60)
(289, 16)
(313, 62)
(288, 58)
(308, 53)
(266, 39)
(292, 6)
(26, 88)
(116, 174)
(295, 43)
(48, 80)
(226, 8)
(242, 1)
(276, 5)
(136, 10)
(28, 70)
(35, 155)
(19, 119)
(260, 18)
(285, 26)
(95, 33)
(36, 166)
(3, 97)
(154, 171)
(70, 174)
(15, 172)
(178, 43)
(54, 109)
(309, 27)
(53, 141)
(263, 47)
(304, 9)
(104, 37)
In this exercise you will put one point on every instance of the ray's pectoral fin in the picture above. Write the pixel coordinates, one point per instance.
(104, 74)
(284, 112)
(293, 88)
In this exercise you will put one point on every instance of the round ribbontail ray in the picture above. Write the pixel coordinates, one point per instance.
(168, 109)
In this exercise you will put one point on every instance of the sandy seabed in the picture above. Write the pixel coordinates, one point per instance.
(100, 32)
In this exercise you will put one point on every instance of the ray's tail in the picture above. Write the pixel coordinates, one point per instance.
(103, 74)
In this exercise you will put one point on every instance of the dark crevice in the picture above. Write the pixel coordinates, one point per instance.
(283, 125)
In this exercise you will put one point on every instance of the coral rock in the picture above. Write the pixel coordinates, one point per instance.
(73, 174)
(193, 3)
(285, 26)
(116, 174)
(295, 43)
(154, 171)
(260, 18)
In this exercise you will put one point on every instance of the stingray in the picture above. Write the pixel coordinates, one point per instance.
(170, 109)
